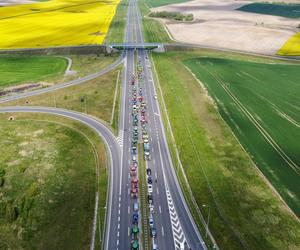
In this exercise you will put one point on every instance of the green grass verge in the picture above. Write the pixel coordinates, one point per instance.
(118, 92)
(94, 97)
(275, 9)
(83, 65)
(48, 195)
(239, 87)
(22, 72)
(117, 27)
(245, 211)
(16, 69)
(157, 3)
(153, 30)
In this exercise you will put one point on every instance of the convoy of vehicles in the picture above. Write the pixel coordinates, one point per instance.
(139, 117)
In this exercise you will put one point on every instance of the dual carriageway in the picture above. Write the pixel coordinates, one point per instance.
(170, 215)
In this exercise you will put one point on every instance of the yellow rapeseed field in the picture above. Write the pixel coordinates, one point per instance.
(291, 46)
(56, 23)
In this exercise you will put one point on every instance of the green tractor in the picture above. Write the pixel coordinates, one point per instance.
(135, 245)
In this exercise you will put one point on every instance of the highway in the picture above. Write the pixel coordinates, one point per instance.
(172, 219)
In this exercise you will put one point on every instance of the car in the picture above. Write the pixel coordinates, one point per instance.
(134, 158)
(147, 156)
(133, 150)
(151, 209)
(148, 171)
(135, 206)
(149, 180)
(153, 232)
(154, 247)
(150, 198)
(135, 218)
(134, 193)
(151, 221)
(150, 189)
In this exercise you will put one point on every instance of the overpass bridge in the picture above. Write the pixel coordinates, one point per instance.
(159, 47)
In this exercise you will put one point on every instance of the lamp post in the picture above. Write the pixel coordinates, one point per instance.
(207, 224)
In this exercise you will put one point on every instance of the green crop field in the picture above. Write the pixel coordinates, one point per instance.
(284, 10)
(116, 30)
(261, 103)
(27, 69)
(245, 213)
(48, 182)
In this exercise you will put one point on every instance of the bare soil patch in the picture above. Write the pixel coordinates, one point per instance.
(15, 2)
(219, 24)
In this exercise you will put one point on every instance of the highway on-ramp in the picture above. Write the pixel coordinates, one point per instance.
(113, 149)
(58, 86)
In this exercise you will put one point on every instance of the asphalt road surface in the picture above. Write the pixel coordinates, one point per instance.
(172, 219)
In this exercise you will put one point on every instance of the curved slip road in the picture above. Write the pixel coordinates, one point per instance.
(65, 84)
(114, 155)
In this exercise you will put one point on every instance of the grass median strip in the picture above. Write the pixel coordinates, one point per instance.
(245, 212)
(49, 167)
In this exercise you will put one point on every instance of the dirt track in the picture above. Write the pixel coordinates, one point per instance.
(14, 2)
(219, 24)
